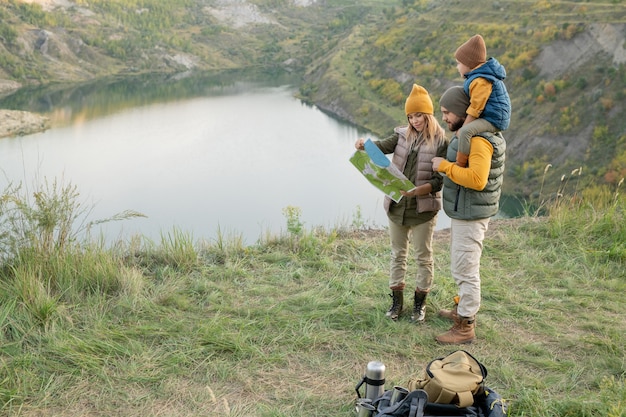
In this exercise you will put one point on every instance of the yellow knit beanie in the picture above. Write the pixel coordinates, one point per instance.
(472, 53)
(418, 101)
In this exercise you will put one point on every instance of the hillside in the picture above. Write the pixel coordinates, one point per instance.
(565, 61)
(565, 74)
(285, 327)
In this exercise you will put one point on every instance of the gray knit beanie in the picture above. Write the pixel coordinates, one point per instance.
(455, 100)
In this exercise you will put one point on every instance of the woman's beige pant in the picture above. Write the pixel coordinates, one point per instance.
(420, 237)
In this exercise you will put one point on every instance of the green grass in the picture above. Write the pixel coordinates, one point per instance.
(286, 327)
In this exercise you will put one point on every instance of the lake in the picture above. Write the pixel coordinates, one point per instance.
(204, 155)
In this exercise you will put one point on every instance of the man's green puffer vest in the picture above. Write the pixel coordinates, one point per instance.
(466, 204)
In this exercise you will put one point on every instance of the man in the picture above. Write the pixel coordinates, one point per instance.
(471, 196)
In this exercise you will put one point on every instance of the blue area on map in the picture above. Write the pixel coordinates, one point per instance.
(375, 154)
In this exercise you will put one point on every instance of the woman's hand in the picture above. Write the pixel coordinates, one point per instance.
(359, 144)
(412, 193)
(423, 189)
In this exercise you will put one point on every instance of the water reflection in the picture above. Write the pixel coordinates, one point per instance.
(73, 103)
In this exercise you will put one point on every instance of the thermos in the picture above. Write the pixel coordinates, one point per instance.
(365, 409)
(374, 380)
(398, 394)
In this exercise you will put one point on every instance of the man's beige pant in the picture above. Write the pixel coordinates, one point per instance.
(420, 237)
(466, 247)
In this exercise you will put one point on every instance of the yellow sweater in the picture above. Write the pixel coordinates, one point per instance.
(476, 174)
(480, 90)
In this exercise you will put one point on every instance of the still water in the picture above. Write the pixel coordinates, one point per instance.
(205, 158)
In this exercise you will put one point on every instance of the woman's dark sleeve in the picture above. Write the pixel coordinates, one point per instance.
(436, 180)
(388, 145)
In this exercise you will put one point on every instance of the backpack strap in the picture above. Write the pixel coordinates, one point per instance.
(417, 405)
(414, 403)
(466, 398)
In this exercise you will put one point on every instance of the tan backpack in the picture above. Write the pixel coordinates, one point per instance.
(453, 379)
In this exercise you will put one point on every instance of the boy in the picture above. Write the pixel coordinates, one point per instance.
(490, 105)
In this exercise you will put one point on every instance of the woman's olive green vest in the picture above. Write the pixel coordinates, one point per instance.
(466, 204)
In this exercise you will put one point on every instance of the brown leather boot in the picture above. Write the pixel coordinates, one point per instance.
(419, 306)
(461, 332)
(450, 314)
(396, 305)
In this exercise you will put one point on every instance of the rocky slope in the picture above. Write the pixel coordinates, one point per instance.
(565, 59)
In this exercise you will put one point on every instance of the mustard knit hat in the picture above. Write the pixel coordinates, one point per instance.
(418, 101)
(472, 53)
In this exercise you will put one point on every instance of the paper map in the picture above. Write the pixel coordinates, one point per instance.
(378, 170)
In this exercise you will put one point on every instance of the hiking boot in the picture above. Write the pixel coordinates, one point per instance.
(450, 314)
(419, 306)
(461, 332)
(396, 306)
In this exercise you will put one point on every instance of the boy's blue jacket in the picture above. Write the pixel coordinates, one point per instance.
(498, 108)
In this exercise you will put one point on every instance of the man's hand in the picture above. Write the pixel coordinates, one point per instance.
(436, 161)
(359, 144)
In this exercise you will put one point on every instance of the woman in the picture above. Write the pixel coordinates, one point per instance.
(414, 217)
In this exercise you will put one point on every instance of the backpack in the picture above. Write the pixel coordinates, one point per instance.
(452, 385)
(453, 379)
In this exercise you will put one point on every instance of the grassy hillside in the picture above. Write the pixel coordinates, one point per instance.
(48, 41)
(287, 326)
(567, 93)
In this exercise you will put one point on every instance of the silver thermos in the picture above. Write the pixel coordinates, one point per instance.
(374, 380)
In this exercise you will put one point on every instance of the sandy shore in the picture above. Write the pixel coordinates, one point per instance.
(19, 123)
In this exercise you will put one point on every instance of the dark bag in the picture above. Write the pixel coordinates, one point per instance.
(410, 406)
(486, 404)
